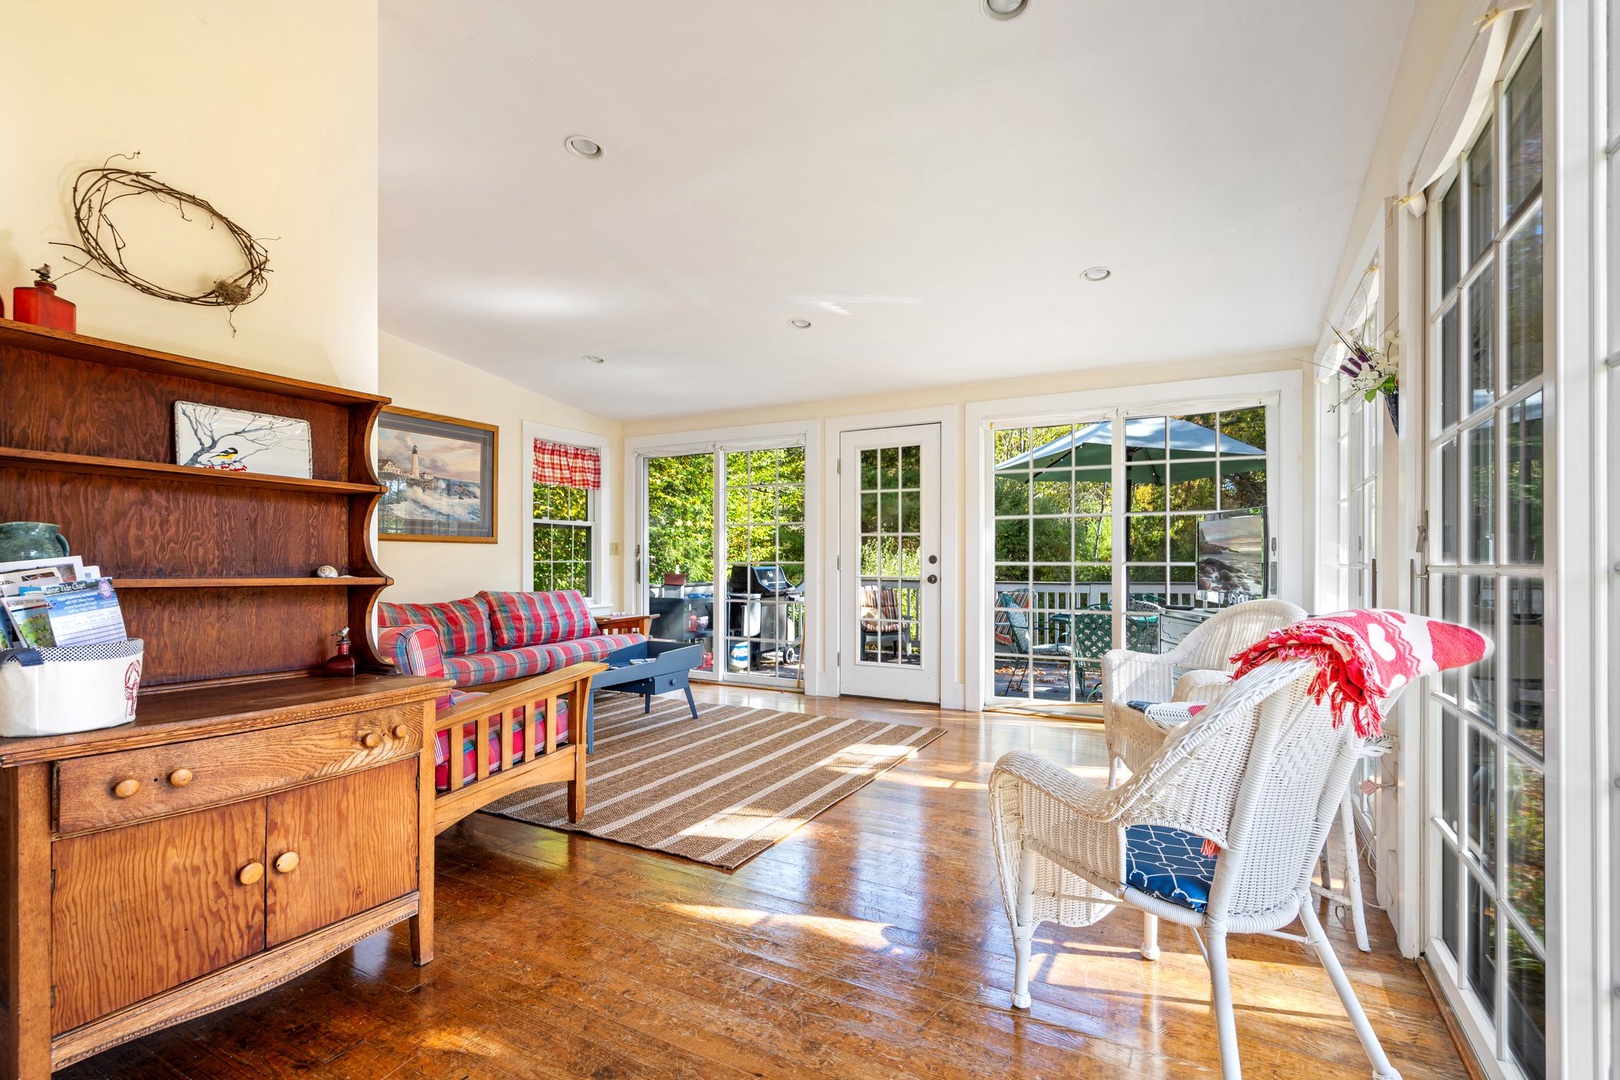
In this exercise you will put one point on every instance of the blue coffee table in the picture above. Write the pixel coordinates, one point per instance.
(648, 667)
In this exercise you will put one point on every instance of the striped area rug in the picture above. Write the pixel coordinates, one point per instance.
(719, 789)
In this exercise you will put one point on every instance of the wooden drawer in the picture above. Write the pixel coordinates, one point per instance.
(93, 792)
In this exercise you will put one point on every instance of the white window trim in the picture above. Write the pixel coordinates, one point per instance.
(1285, 449)
(602, 502)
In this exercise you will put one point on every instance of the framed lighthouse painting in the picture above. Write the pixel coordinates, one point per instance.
(438, 475)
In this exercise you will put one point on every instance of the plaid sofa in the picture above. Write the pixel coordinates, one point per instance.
(494, 636)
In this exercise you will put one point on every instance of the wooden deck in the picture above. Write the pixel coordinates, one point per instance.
(871, 943)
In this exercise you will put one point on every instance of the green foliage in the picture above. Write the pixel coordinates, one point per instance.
(764, 512)
(680, 517)
(562, 552)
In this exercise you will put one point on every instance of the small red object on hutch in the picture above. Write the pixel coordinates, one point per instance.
(39, 304)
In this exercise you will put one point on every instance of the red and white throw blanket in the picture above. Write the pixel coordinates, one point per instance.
(1363, 656)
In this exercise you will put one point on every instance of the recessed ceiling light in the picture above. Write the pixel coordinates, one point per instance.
(596, 359)
(1097, 273)
(580, 146)
(802, 324)
(1004, 9)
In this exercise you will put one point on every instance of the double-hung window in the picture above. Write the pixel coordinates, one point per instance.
(567, 482)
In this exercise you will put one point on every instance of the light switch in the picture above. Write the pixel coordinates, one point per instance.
(613, 547)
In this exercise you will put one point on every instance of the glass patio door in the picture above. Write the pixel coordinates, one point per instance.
(725, 560)
(1486, 462)
(1121, 530)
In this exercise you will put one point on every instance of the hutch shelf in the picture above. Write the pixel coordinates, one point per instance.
(255, 819)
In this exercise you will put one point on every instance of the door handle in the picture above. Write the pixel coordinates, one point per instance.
(933, 579)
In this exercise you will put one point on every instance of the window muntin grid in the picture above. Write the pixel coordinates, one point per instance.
(1486, 463)
(564, 520)
(1176, 524)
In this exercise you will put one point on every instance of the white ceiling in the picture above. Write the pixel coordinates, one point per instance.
(921, 182)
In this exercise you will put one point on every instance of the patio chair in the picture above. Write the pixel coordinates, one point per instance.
(1012, 629)
(881, 624)
(1261, 774)
(1204, 657)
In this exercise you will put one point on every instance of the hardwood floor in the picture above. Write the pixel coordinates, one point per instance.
(871, 943)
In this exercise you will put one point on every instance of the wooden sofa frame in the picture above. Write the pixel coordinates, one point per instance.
(508, 710)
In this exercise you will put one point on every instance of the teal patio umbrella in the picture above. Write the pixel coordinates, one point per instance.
(1191, 449)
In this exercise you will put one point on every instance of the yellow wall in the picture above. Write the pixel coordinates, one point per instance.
(269, 112)
(961, 394)
(417, 378)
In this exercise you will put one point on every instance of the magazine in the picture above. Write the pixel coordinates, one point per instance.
(71, 567)
(18, 581)
(30, 620)
(83, 612)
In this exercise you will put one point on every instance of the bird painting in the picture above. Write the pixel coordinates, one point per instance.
(213, 437)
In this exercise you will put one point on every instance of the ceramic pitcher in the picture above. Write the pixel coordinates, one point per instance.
(20, 540)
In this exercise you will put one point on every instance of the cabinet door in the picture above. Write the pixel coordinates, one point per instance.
(339, 847)
(142, 908)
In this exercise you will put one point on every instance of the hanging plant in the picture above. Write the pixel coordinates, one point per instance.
(1369, 371)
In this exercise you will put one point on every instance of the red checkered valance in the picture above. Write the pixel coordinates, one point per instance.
(570, 466)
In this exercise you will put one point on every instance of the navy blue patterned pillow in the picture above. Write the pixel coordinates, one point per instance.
(1169, 864)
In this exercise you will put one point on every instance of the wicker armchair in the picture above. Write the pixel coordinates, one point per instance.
(1261, 774)
(1205, 657)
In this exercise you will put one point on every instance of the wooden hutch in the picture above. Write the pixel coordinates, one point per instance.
(255, 819)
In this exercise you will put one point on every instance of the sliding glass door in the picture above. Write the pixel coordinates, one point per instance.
(724, 558)
(1121, 530)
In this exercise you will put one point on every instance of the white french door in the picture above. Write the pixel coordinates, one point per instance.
(889, 569)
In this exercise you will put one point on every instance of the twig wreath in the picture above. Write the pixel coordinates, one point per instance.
(95, 190)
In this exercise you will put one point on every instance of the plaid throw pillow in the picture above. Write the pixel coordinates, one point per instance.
(538, 618)
(463, 625)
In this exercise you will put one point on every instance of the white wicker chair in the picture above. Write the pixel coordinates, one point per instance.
(1205, 657)
(1262, 774)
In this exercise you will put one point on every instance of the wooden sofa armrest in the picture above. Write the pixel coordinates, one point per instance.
(621, 624)
(538, 762)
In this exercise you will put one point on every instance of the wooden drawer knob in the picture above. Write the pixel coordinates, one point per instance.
(125, 788)
(180, 778)
(287, 862)
(250, 873)
(400, 730)
(371, 740)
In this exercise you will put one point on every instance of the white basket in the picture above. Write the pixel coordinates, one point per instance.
(74, 688)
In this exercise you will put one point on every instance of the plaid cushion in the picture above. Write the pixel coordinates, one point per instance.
(415, 651)
(469, 739)
(504, 664)
(463, 625)
(537, 618)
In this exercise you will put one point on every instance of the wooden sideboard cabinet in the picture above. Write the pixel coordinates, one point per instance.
(230, 839)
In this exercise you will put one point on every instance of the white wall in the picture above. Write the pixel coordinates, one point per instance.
(269, 112)
(1439, 32)
(417, 378)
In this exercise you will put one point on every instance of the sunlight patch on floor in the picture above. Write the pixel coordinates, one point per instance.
(858, 932)
(924, 781)
(740, 824)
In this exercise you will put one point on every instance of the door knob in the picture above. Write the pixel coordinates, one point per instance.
(251, 873)
(933, 579)
(287, 862)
